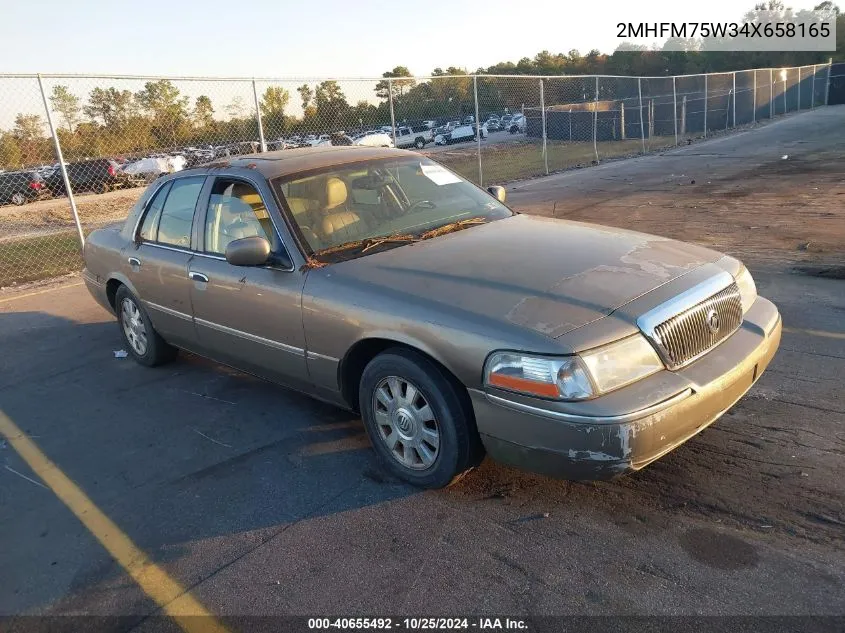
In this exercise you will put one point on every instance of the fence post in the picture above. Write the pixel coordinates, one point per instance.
(684, 116)
(640, 92)
(827, 84)
(754, 108)
(650, 119)
(799, 88)
(675, 109)
(570, 125)
(813, 100)
(596, 120)
(392, 116)
(705, 106)
(784, 73)
(478, 129)
(734, 104)
(258, 118)
(622, 120)
(57, 146)
(728, 111)
(771, 93)
(543, 114)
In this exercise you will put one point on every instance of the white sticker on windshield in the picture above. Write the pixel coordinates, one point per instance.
(439, 175)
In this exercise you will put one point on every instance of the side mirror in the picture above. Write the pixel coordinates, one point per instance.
(497, 192)
(248, 251)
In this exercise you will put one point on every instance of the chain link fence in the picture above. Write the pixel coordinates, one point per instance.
(77, 151)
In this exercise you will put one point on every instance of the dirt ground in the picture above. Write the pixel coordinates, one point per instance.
(772, 194)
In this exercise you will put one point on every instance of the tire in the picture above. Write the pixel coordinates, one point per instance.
(135, 327)
(419, 143)
(18, 199)
(427, 437)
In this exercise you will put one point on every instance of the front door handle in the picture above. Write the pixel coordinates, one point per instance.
(134, 261)
(195, 276)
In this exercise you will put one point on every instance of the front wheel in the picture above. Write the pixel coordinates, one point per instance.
(18, 199)
(419, 143)
(414, 416)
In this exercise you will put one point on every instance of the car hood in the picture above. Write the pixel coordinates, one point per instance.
(548, 275)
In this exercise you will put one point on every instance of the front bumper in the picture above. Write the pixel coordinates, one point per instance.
(629, 428)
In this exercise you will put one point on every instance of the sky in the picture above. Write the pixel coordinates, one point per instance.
(317, 38)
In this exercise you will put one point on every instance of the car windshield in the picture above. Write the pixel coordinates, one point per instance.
(352, 209)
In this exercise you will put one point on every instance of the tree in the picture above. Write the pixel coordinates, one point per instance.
(306, 95)
(10, 152)
(28, 127)
(331, 104)
(169, 110)
(401, 81)
(203, 112)
(273, 104)
(110, 106)
(236, 108)
(274, 101)
(67, 104)
(29, 134)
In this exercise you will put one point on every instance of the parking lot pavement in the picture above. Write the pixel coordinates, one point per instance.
(263, 502)
(259, 501)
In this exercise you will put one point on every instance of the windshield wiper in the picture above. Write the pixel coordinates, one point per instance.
(451, 227)
(367, 243)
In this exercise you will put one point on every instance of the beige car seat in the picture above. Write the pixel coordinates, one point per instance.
(339, 224)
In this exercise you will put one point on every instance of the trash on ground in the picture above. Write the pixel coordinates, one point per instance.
(784, 157)
(121, 353)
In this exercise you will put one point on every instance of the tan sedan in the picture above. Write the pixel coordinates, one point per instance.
(380, 281)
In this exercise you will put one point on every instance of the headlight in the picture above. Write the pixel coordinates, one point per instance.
(747, 288)
(573, 377)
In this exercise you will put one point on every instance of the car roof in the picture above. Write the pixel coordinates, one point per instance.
(292, 161)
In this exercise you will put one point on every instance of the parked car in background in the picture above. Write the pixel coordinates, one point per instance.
(505, 121)
(99, 175)
(416, 136)
(460, 134)
(20, 187)
(374, 139)
(517, 124)
(147, 169)
(492, 124)
(384, 283)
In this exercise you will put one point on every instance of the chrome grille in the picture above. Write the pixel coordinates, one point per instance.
(689, 334)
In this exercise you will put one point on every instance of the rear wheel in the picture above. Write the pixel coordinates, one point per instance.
(416, 422)
(18, 198)
(145, 344)
(419, 143)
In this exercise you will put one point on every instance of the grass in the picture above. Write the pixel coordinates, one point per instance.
(525, 160)
(36, 258)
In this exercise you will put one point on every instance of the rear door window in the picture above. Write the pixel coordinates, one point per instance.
(177, 215)
(149, 229)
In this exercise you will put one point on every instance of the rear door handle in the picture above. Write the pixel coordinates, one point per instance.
(134, 261)
(195, 276)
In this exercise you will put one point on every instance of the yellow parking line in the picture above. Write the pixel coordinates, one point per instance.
(40, 292)
(798, 330)
(168, 594)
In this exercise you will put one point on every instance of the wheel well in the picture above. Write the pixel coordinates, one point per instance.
(112, 287)
(357, 358)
